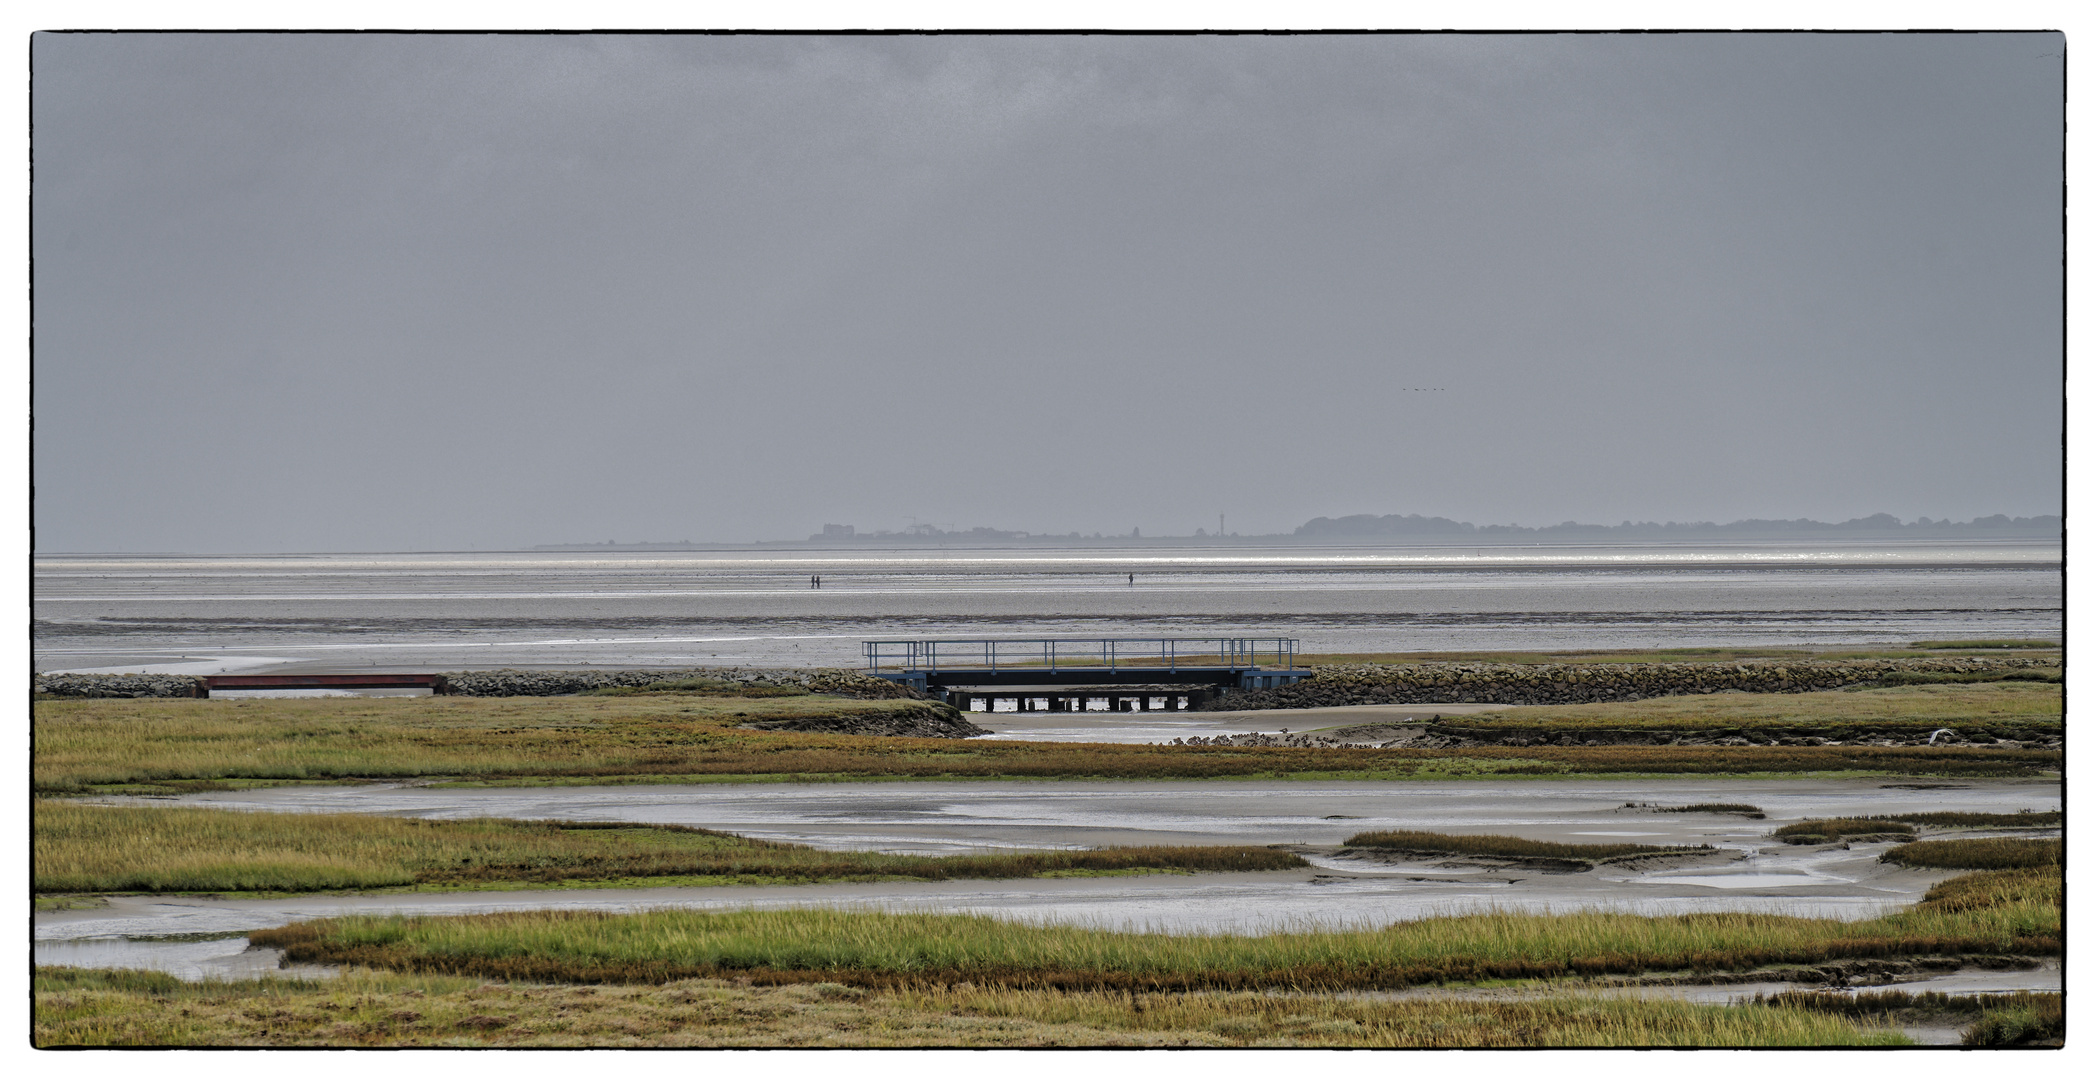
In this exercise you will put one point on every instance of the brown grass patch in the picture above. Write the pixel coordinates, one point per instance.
(1991, 853)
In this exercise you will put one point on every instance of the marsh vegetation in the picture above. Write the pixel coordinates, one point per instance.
(2014, 710)
(2010, 913)
(817, 977)
(84, 848)
(1745, 810)
(834, 978)
(1979, 853)
(1843, 830)
(75, 1007)
(1509, 847)
(1880, 827)
(167, 746)
(2015, 1019)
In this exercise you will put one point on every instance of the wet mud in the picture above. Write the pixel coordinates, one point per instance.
(1748, 870)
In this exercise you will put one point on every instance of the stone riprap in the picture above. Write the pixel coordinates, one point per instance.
(846, 682)
(1575, 684)
(1445, 736)
(510, 682)
(921, 720)
(120, 686)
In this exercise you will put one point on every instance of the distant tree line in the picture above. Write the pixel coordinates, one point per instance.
(1435, 527)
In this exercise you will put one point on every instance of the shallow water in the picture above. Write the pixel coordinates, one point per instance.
(2047, 977)
(1178, 903)
(1749, 874)
(204, 615)
(224, 958)
(950, 817)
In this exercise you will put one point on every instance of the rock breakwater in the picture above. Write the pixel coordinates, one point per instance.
(1576, 684)
(921, 720)
(510, 682)
(1439, 736)
(120, 686)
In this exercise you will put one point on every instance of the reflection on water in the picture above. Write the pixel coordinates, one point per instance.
(1749, 872)
(229, 958)
(1760, 879)
(944, 816)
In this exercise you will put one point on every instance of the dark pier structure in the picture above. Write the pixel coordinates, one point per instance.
(433, 683)
(1085, 674)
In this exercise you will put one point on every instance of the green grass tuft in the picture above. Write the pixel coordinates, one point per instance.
(1513, 847)
(2042, 1020)
(2015, 913)
(154, 849)
(1843, 830)
(1954, 819)
(1991, 853)
(1742, 809)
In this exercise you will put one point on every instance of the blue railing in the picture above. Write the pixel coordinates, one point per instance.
(1056, 654)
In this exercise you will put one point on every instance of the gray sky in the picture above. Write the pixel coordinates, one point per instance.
(390, 292)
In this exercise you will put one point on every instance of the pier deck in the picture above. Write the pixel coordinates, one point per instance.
(1074, 674)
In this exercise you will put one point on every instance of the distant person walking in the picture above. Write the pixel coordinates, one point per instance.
(1131, 579)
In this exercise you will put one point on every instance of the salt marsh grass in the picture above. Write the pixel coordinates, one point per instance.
(2020, 887)
(2036, 1019)
(1957, 819)
(157, 746)
(1901, 827)
(1839, 830)
(84, 848)
(880, 949)
(1742, 809)
(2017, 709)
(1512, 847)
(2001, 1019)
(1984, 853)
(364, 1008)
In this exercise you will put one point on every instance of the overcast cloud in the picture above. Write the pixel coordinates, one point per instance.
(425, 292)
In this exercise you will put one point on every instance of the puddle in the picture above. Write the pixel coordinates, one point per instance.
(1762, 880)
(1379, 866)
(194, 961)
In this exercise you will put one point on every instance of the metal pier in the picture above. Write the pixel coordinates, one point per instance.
(1085, 674)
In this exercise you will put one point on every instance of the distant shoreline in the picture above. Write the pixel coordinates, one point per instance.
(1413, 530)
(1196, 547)
(1486, 540)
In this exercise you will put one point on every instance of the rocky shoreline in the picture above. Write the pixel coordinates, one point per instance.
(923, 720)
(119, 686)
(1578, 684)
(1441, 736)
(512, 682)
